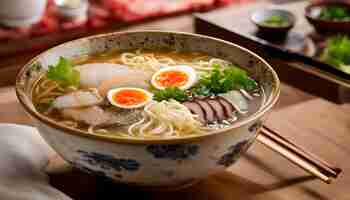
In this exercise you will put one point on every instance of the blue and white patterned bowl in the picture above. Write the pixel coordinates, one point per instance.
(151, 162)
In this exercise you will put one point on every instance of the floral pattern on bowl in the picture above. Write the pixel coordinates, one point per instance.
(109, 162)
(173, 152)
(233, 153)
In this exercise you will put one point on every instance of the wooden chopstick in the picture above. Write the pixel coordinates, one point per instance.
(292, 157)
(298, 155)
(315, 160)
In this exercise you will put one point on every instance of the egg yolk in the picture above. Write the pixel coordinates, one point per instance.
(129, 97)
(172, 79)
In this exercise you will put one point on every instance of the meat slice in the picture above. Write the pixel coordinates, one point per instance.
(228, 108)
(80, 98)
(196, 109)
(209, 112)
(218, 108)
(94, 115)
(238, 101)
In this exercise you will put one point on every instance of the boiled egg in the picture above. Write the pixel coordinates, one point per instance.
(129, 98)
(181, 76)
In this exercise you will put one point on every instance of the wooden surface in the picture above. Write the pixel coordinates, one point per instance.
(320, 126)
(308, 78)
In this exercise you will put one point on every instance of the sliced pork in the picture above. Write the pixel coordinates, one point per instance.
(218, 108)
(81, 98)
(238, 101)
(209, 112)
(228, 108)
(94, 115)
(197, 110)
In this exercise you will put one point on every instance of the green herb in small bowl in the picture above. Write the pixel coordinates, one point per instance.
(273, 24)
(337, 53)
(275, 21)
(335, 13)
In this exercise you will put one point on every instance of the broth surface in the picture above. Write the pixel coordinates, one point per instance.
(206, 105)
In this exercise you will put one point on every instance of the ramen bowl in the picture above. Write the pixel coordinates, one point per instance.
(151, 162)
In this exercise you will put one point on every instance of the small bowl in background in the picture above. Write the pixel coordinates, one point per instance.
(263, 18)
(19, 13)
(313, 11)
(73, 10)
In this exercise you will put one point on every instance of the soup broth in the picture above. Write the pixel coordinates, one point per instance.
(147, 93)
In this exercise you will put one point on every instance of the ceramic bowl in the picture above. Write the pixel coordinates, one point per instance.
(21, 13)
(76, 11)
(151, 162)
(312, 12)
(277, 32)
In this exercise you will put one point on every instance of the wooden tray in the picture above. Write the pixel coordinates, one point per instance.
(292, 59)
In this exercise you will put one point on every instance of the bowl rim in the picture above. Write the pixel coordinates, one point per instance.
(291, 19)
(270, 102)
(309, 7)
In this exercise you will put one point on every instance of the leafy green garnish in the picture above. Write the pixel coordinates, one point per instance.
(337, 53)
(64, 73)
(335, 13)
(215, 82)
(275, 20)
(171, 93)
(221, 81)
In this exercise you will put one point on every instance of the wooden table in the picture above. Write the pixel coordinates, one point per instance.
(322, 127)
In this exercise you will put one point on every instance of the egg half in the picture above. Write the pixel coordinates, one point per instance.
(181, 76)
(129, 98)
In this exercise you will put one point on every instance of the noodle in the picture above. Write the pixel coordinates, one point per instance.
(150, 62)
(246, 94)
(131, 128)
(167, 119)
(47, 89)
(145, 62)
(238, 109)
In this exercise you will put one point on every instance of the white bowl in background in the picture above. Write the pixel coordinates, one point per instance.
(21, 13)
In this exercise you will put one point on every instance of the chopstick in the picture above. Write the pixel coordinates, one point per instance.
(298, 155)
(293, 158)
(318, 162)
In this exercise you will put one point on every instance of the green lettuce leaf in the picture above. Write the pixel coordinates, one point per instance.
(221, 81)
(337, 53)
(64, 73)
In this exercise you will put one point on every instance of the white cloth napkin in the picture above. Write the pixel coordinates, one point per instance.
(23, 156)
